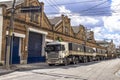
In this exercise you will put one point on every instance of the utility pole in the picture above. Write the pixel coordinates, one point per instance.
(10, 37)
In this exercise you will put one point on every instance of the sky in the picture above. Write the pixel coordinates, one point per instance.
(101, 16)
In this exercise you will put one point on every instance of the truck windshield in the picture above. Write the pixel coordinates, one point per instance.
(50, 48)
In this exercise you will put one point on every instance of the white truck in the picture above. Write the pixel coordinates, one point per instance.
(66, 53)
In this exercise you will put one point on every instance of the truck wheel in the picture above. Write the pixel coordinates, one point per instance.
(85, 59)
(51, 64)
(91, 59)
(65, 62)
(76, 60)
(73, 60)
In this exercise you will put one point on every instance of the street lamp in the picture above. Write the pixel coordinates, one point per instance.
(10, 37)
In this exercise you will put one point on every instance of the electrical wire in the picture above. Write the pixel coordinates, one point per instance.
(73, 3)
(52, 6)
(93, 7)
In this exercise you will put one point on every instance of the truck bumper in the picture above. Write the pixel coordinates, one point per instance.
(55, 61)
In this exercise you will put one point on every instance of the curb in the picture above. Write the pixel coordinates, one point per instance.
(6, 72)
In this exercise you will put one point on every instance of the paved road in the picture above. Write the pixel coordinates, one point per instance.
(104, 70)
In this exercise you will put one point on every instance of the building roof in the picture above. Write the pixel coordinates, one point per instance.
(76, 29)
(102, 42)
(55, 20)
(9, 3)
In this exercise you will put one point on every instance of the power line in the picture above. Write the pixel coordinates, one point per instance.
(94, 6)
(86, 14)
(89, 14)
(72, 3)
(91, 8)
(52, 6)
(97, 11)
(103, 7)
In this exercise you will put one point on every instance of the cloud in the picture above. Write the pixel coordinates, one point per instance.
(82, 7)
(86, 21)
(91, 8)
(98, 31)
(101, 16)
(76, 19)
(114, 37)
(112, 23)
(63, 10)
(115, 5)
(102, 34)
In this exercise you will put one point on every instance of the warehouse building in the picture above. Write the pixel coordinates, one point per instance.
(29, 37)
(33, 29)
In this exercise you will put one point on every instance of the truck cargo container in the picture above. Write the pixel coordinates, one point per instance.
(67, 52)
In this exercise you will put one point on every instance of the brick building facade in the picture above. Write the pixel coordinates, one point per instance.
(32, 30)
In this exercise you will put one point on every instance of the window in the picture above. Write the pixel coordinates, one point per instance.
(52, 48)
(66, 30)
(32, 17)
(36, 17)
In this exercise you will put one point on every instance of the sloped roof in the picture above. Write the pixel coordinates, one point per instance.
(102, 42)
(76, 29)
(9, 3)
(54, 20)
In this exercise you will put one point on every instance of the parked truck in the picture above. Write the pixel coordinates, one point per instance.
(66, 53)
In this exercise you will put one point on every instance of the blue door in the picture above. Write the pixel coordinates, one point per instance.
(35, 48)
(15, 53)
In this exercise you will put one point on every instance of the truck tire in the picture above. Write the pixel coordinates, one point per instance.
(85, 59)
(91, 59)
(51, 64)
(65, 62)
(73, 60)
(76, 60)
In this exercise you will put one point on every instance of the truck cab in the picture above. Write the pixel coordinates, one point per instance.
(56, 52)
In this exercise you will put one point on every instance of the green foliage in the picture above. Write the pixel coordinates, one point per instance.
(59, 39)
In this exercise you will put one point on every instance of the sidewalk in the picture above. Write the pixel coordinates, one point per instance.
(23, 67)
(4, 71)
(31, 66)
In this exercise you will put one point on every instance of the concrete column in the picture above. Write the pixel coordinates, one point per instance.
(43, 44)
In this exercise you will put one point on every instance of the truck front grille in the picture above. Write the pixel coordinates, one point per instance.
(53, 55)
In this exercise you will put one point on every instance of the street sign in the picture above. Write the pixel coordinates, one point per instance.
(31, 9)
